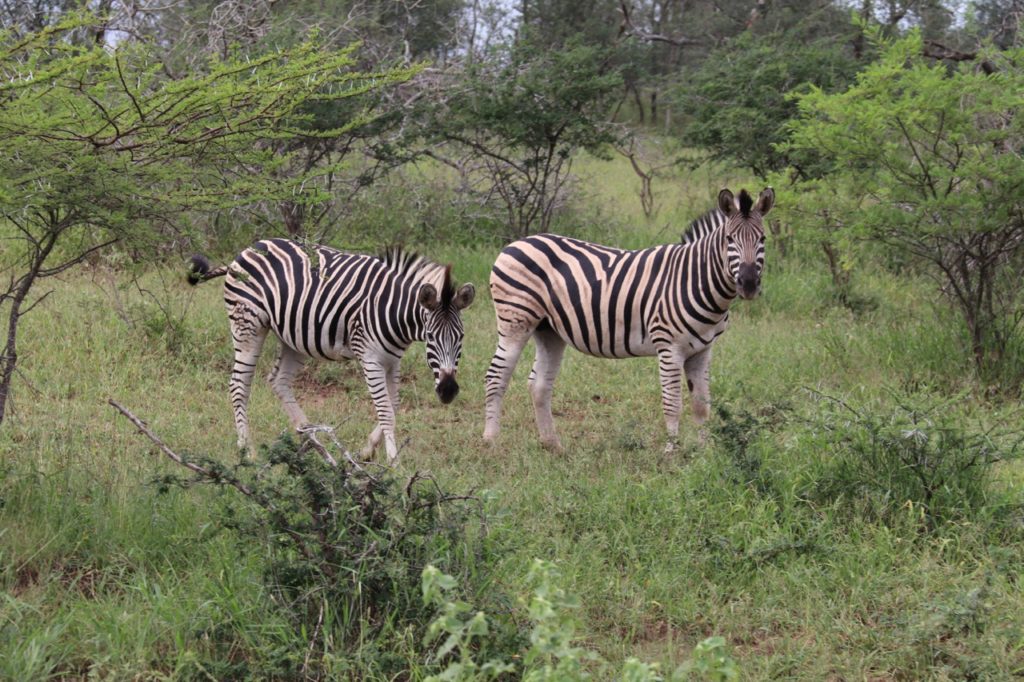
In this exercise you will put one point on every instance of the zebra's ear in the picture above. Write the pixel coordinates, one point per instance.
(428, 297)
(464, 296)
(765, 201)
(727, 202)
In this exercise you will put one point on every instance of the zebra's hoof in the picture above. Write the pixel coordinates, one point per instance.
(552, 445)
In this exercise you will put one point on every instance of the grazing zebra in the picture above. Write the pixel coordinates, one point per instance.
(327, 304)
(670, 300)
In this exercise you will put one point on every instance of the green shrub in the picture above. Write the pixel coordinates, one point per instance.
(918, 458)
(345, 546)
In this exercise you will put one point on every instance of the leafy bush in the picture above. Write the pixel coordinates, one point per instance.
(518, 116)
(737, 433)
(738, 97)
(345, 547)
(920, 458)
(925, 161)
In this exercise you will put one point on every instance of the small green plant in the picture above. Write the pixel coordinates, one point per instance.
(455, 619)
(737, 433)
(552, 655)
(711, 661)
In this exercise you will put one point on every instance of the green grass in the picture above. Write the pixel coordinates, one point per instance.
(104, 576)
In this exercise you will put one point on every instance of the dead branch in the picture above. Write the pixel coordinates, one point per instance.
(936, 50)
(627, 28)
(191, 466)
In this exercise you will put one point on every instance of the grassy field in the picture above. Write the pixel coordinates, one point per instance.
(103, 576)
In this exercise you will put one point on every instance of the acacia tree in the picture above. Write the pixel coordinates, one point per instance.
(928, 160)
(97, 147)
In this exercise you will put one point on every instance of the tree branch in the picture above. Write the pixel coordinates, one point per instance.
(238, 485)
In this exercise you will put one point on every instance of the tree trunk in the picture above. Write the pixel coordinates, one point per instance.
(294, 217)
(9, 359)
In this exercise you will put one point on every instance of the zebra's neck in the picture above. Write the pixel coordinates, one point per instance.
(705, 266)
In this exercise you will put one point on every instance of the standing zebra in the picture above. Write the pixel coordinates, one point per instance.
(671, 301)
(327, 304)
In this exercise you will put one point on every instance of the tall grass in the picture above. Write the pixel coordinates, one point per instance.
(103, 575)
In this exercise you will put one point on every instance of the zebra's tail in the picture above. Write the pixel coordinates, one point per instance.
(199, 270)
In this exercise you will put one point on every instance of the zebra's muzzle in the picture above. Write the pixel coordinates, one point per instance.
(447, 388)
(748, 282)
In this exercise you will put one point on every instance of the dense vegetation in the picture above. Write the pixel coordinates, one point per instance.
(857, 511)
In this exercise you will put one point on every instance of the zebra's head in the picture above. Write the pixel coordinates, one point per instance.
(744, 236)
(443, 331)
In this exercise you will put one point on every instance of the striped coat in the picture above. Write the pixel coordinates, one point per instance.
(671, 301)
(327, 304)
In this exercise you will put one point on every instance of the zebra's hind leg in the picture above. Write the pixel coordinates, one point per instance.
(670, 369)
(248, 332)
(510, 347)
(550, 349)
(289, 362)
(377, 435)
(698, 379)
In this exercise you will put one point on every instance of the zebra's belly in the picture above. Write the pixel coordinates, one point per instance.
(611, 345)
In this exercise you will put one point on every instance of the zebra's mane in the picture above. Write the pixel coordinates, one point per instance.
(409, 264)
(703, 226)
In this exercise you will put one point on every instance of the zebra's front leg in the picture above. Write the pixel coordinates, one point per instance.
(550, 349)
(377, 435)
(496, 382)
(376, 374)
(698, 380)
(670, 369)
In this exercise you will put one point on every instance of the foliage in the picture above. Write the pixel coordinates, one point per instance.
(737, 101)
(151, 148)
(926, 160)
(551, 656)
(519, 116)
(454, 620)
(711, 661)
(344, 546)
(738, 432)
(917, 458)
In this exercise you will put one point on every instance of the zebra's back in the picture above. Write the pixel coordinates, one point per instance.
(308, 294)
(599, 299)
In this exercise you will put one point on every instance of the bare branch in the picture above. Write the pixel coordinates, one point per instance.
(191, 466)
(936, 50)
(629, 29)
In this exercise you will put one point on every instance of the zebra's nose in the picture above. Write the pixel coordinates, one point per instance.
(447, 387)
(748, 280)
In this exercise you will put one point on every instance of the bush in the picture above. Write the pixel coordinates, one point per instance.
(345, 548)
(921, 458)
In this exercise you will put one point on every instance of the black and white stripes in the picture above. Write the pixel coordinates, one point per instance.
(328, 304)
(671, 301)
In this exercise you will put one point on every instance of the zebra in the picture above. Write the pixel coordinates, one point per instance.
(670, 300)
(328, 304)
